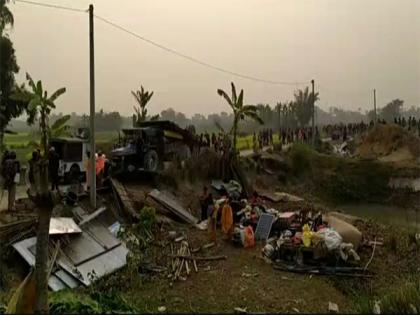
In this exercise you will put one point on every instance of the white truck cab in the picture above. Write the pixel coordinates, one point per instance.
(73, 157)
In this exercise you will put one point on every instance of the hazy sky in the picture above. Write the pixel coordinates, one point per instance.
(348, 47)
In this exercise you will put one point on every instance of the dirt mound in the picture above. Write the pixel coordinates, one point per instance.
(389, 143)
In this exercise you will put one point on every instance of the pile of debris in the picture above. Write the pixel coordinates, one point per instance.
(299, 240)
(79, 252)
(307, 242)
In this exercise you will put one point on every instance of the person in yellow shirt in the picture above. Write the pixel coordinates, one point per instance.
(227, 221)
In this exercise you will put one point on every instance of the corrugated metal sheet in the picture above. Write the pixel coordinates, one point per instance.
(81, 248)
(63, 226)
(95, 249)
(54, 282)
(66, 279)
(104, 264)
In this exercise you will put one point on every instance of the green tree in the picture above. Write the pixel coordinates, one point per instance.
(392, 110)
(142, 97)
(303, 103)
(9, 108)
(40, 106)
(240, 111)
(6, 16)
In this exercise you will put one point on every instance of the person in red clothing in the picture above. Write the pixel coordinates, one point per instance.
(255, 200)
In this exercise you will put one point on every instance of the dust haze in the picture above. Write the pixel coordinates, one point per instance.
(349, 47)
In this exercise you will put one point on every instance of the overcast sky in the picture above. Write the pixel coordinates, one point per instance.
(348, 46)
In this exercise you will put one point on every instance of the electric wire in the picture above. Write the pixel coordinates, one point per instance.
(165, 48)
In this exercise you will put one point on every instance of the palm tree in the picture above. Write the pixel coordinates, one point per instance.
(240, 111)
(6, 16)
(142, 97)
(39, 108)
(304, 101)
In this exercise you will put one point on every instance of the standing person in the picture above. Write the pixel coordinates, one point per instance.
(88, 170)
(100, 164)
(254, 142)
(11, 173)
(227, 221)
(53, 166)
(31, 173)
(3, 159)
(204, 203)
(214, 212)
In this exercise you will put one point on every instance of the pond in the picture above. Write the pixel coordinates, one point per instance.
(387, 214)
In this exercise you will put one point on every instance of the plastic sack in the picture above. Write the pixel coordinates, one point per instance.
(249, 237)
(331, 238)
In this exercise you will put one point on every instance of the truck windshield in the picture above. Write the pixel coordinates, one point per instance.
(72, 152)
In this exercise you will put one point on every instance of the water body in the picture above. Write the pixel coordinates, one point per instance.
(387, 214)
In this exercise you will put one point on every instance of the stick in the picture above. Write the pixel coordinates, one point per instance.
(209, 245)
(187, 267)
(200, 258)
(194, 262)
(373, 253)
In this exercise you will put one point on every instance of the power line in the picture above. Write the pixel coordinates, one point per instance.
(167, 49)
(41, 4)
(192, 59)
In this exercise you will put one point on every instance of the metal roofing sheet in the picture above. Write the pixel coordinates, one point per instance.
(63, 225)
(55, 282)
(103, 264)
(82, 247)
(169, 202)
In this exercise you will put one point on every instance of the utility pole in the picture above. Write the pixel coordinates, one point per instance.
(313, 112)
(375, 118)
(92, 112)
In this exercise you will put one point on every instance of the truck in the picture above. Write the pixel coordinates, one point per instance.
(147, 146)
(73, 157)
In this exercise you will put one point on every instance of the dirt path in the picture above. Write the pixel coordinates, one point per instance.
(243, 280)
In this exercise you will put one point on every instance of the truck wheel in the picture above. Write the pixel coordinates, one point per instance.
(151, 161)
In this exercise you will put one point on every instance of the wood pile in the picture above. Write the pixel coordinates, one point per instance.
(183, 261)
(181, 267)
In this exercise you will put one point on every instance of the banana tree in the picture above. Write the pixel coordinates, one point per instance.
(40, 106)
(240, 111)
(59, 128)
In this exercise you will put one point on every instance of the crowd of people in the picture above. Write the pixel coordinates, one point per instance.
(344, 131)
(411, 123)
(102, 169)
(262, 139)
(301, 134)
(219, 142)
